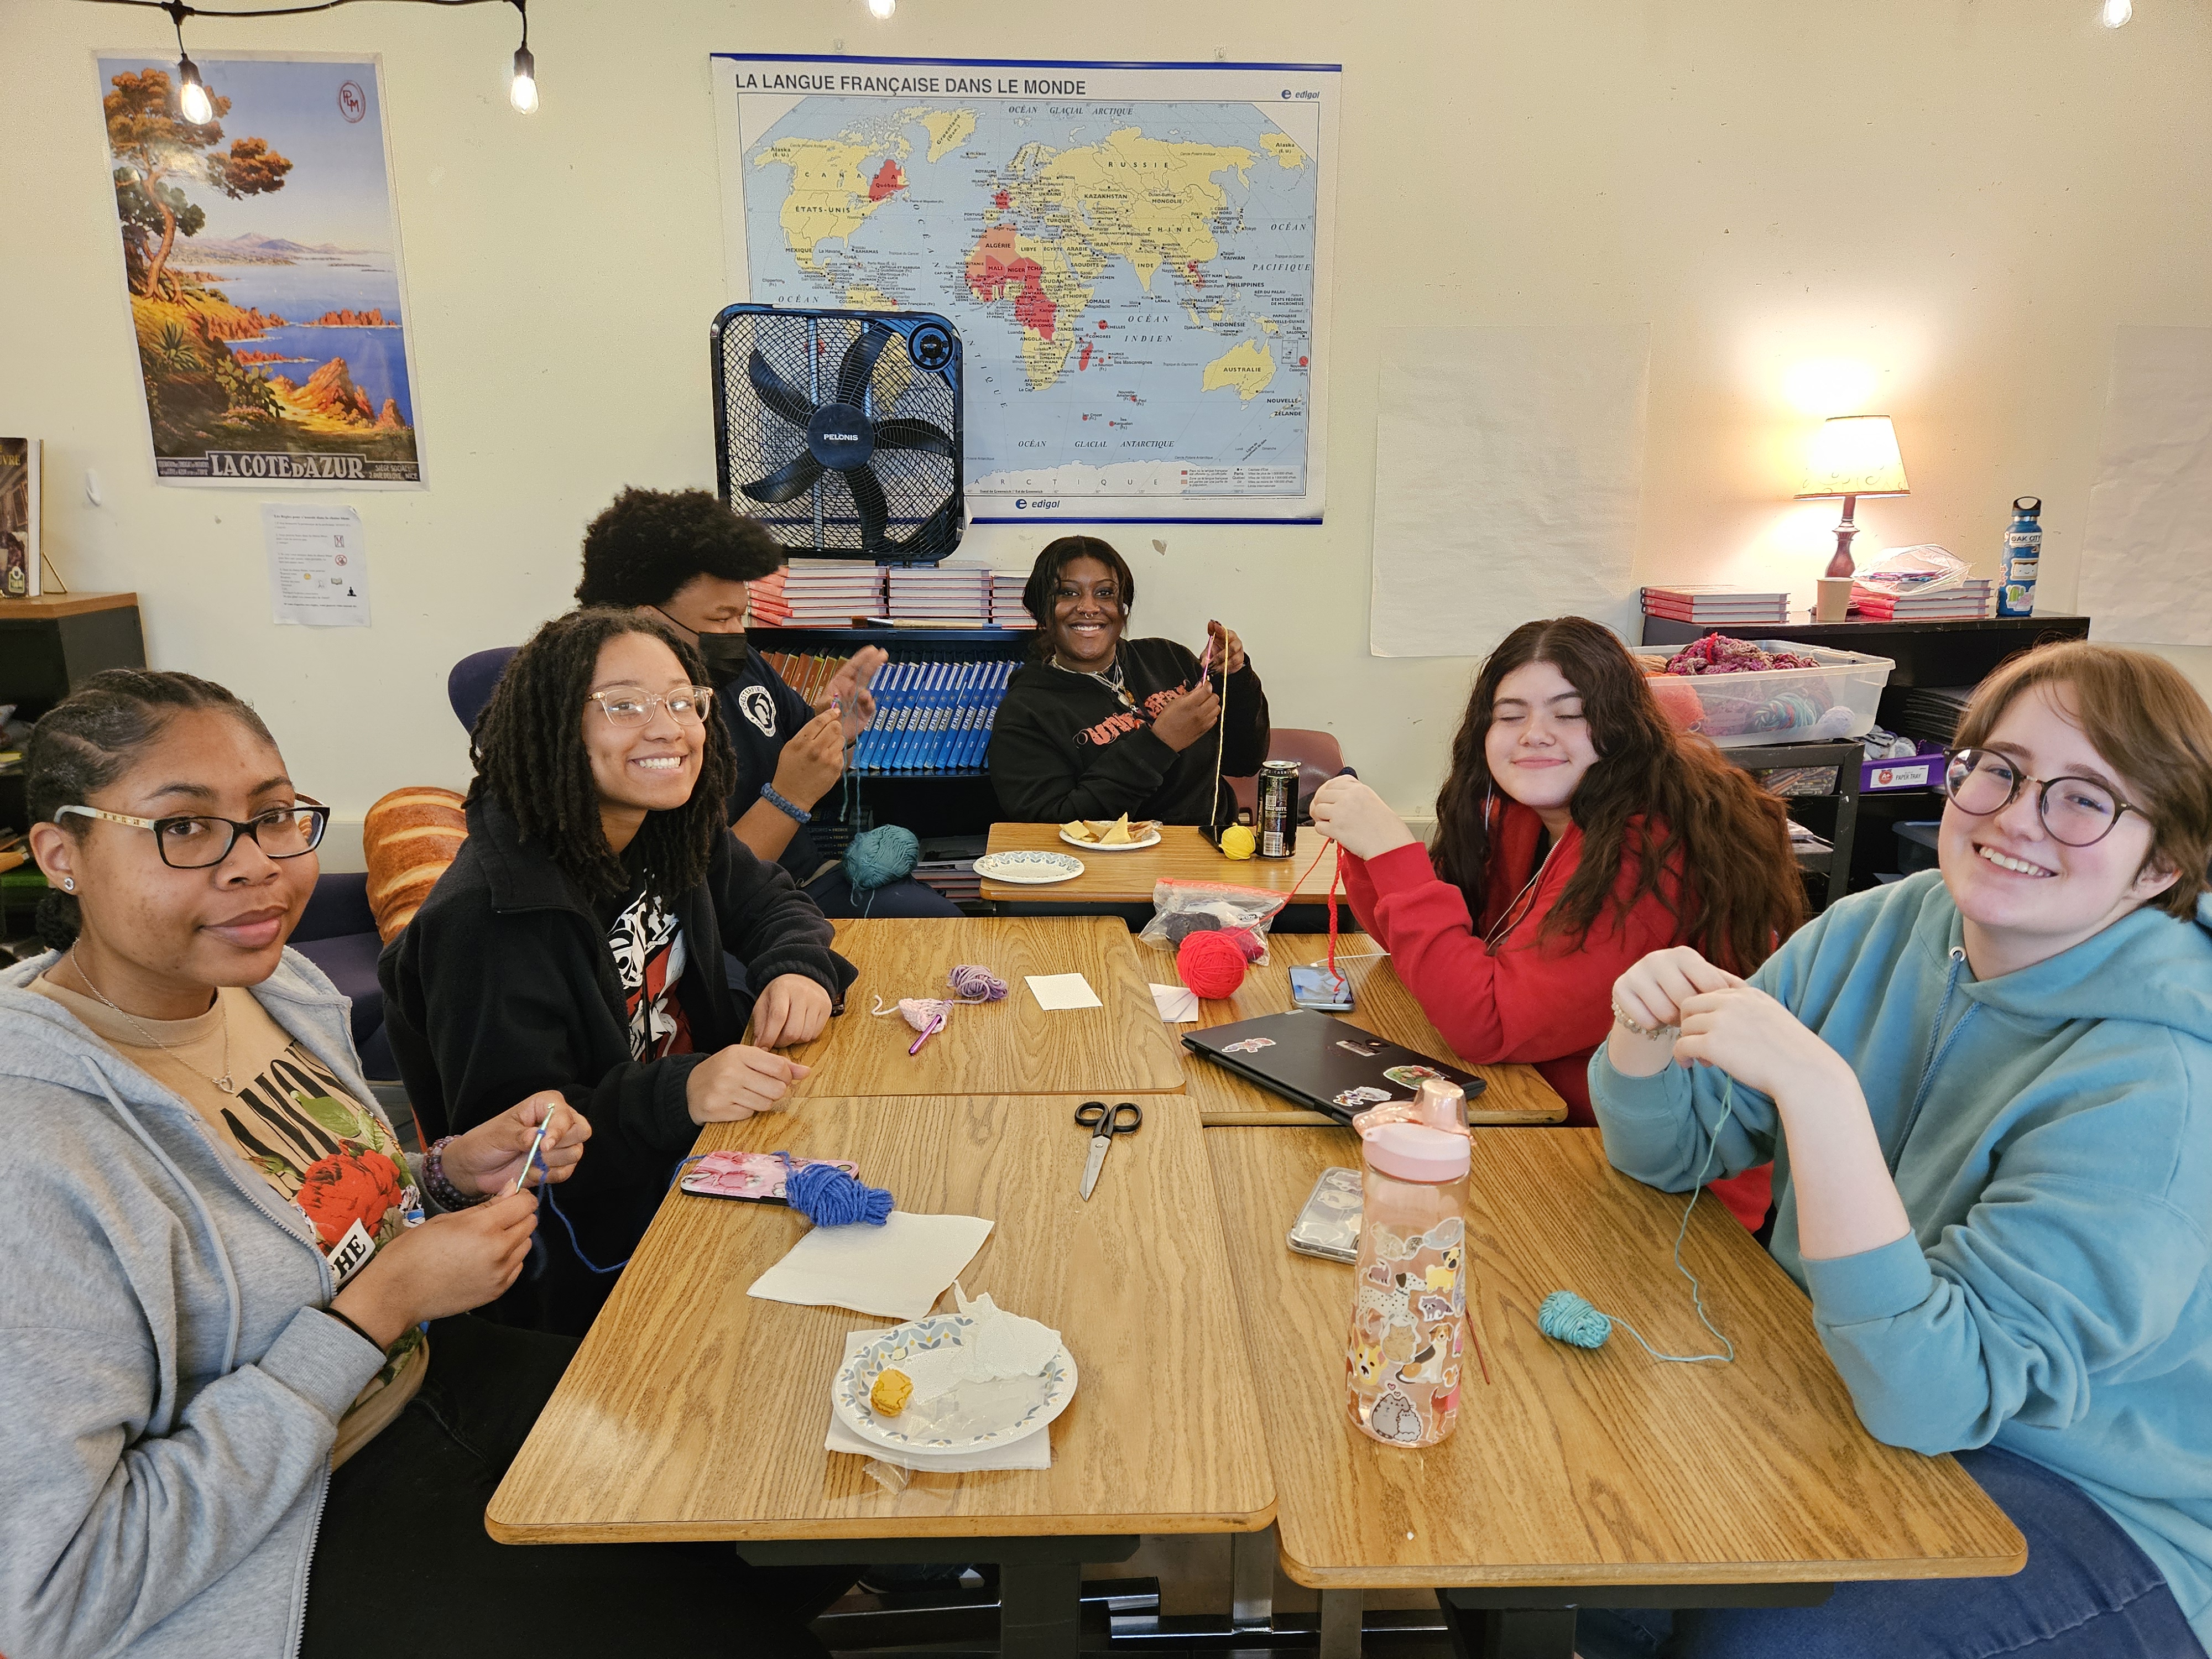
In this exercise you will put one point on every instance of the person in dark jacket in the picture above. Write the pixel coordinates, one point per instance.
(1099, 724)
(685, 559)
(576, 942)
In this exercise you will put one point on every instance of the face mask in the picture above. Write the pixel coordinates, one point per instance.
(725, 655)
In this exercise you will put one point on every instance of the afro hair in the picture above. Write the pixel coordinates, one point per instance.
(651, 542)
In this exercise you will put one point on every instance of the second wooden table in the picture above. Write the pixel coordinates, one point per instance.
(1111, 877)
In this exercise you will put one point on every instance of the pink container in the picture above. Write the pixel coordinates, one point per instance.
(1409, 1317)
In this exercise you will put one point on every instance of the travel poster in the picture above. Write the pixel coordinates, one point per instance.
(261, 253)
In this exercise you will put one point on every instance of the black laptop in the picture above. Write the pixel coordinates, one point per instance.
(1322, 1062)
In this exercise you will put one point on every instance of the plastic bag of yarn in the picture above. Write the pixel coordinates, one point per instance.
(1181, 908)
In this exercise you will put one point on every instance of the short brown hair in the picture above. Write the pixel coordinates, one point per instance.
(2144, 717)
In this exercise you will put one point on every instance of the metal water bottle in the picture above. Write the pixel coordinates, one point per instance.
(2023, 552)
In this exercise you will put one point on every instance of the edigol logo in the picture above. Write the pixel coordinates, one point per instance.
(1019, 502)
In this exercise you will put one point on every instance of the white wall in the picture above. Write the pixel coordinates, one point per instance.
(1963, 196)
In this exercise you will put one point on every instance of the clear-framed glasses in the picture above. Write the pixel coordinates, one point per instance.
(633, 705)
(2077, 812)
(200, 841)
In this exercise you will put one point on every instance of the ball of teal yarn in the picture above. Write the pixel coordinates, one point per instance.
(1566, 1317)
(880, 856)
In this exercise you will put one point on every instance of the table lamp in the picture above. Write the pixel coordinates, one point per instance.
(1852, 455)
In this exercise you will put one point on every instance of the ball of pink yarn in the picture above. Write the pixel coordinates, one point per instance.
(1211, 965)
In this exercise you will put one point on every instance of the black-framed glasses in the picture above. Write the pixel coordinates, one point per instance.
(2077, 812)
(633, 705)
(201, 841)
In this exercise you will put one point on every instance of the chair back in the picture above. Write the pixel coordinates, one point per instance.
(470, 686)
(1316, 753)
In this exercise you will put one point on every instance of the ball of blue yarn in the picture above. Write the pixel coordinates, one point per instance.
(1566, 1317)
(828, 1197)
(880, 856)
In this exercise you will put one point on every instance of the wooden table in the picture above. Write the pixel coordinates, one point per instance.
(1010, 1047)
(1634, 1483)
(1380, 1003)
(1183, 854)
(695, 1412)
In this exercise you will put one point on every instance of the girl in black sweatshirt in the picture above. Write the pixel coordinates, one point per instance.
(1099, 726)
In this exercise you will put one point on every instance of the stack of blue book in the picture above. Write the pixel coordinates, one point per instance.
(932, 716)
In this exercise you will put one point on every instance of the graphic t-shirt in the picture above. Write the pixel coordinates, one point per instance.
(761, 713)
(649, 955)
(323, 1153)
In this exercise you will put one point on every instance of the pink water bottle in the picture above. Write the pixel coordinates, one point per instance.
(1409, 1317)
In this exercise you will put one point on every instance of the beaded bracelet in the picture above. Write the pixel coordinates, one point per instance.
(1634, 1029)
(449, 1196)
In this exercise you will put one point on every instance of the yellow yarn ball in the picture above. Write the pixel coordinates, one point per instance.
(1236, 841)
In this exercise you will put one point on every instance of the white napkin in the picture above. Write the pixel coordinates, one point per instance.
(1178, 1004)
(1063, 991)
(1031, 1451)
(897, 1270)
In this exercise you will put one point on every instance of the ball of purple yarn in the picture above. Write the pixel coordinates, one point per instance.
(828, 1197)
(972, 984)
(1181, 927)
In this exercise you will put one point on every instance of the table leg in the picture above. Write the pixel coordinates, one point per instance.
(1252, 1579)
(1340, 1611)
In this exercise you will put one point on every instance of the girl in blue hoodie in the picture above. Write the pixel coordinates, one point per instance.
(1985, 1092)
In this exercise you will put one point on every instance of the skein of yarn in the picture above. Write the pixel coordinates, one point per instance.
(1211, 964)
(880, 856)
(1181, 925)
(1247, 943)
(972, 984)
(828, 1197)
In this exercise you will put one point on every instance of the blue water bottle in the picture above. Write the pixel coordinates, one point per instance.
(2023, 552)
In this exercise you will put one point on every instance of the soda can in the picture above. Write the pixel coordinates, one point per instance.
(1277, 819)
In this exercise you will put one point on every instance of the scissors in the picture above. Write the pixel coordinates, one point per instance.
(1104, 1123)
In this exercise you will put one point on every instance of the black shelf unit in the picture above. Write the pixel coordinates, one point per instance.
(1963, 651)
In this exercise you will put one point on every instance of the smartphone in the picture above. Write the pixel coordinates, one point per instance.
(750, 1177)
(1328, 1226)
(1317, 987)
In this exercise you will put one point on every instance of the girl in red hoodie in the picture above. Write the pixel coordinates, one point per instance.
(1577, 831)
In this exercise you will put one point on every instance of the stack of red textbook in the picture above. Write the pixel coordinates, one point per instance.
(1716, 604)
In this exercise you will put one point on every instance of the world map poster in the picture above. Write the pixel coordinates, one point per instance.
(1136, 257)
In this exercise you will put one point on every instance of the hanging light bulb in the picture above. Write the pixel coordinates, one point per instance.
(2117, 13)
(522, 91)
(191, 97)
(882, 8)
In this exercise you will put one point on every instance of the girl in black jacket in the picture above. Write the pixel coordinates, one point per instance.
(576, 942)
(1100, 726)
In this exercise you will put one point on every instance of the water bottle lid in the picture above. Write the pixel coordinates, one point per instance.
(2030, 505)
(1413, 1151)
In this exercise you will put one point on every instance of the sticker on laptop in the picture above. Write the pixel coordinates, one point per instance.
(1247, 1046)
(1365, 1050)
(1365, 1095)
(1409, 1077)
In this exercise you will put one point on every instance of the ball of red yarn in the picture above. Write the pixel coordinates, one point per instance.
(1247, 943)
(1211, 964)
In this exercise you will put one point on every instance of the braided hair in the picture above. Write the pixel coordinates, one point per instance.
(92, 737)
(528, 750)
(1044, 581)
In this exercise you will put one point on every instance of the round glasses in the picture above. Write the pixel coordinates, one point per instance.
(633, 705)
(2076, 812)
(201, 842)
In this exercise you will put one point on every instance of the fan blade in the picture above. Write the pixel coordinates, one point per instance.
(913, 434)
(859, 363)
(875, 511)
(785, 482)
(778, 396)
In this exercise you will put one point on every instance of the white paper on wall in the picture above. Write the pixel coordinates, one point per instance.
(1508, 475)
(2143, 576)
(318, 565)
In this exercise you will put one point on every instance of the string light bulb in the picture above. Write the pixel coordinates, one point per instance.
(191, 97)
(522, 90)
(2117, 13)
(882, 9)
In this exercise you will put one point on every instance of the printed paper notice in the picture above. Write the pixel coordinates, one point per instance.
(317, 569)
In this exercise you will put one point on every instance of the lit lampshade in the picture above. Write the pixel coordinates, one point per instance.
(1853, 455)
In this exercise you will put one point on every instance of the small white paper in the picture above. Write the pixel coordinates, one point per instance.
(897, 1270)
(1063, 991)
(318, 565)
(1031, 1451)
(1178, 1004)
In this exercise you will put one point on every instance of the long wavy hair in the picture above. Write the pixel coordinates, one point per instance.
(528, 747)
(1740, 895)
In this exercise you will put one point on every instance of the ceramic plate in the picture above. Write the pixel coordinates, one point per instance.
(1029, 869)
(967, 1418)
(1152, 839)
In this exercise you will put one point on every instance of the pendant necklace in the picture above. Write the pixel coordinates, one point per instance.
(223, 1082)
(1113, 680)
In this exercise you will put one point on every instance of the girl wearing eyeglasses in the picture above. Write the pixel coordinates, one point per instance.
(576, 942)
(1985, 1092)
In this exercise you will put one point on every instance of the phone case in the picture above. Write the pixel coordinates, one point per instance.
(1315, 987)
(1328, 1226)
(750, 1177)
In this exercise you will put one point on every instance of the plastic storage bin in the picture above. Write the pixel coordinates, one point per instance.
(1778, 704)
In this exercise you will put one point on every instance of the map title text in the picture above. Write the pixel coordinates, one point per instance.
(822, 81)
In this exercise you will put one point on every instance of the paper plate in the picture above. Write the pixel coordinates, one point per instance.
(1029, 869)
(978, 1414)
(1150, 839)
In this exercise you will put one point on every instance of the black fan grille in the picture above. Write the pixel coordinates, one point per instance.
(805, 353)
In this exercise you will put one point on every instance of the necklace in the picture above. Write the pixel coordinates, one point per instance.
(1112, 678)
(222, 1082)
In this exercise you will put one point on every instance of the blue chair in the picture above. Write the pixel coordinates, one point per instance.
(338, 933)
(470, 686)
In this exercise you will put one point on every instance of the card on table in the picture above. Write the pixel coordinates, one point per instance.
(897, 1270)
(1063, 991)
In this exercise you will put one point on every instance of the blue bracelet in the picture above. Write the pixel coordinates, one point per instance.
(791, 810)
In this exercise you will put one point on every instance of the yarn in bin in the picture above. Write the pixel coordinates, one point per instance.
(1211, 964)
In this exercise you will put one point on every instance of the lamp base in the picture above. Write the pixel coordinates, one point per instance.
(1846, 530)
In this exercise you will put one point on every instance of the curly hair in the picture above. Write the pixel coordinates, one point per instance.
(92, 737)
(1740, 896)
(528, 749)
(1044, 576)
(651, 542)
